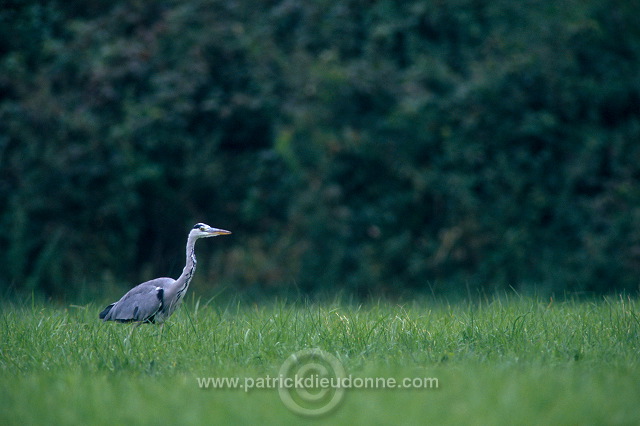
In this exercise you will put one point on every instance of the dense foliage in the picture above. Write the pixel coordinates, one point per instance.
(368, 145)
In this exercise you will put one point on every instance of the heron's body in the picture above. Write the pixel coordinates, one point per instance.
(155, 300)
(143, 303)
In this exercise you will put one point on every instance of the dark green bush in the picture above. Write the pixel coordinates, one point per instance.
(377, 146)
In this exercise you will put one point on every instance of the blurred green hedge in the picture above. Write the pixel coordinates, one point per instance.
(373, 146)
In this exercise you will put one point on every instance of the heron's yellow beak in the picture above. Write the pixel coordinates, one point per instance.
(215, 232)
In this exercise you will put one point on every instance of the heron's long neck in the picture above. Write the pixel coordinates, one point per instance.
(182, 283)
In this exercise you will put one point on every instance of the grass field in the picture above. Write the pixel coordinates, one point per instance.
(509, 360)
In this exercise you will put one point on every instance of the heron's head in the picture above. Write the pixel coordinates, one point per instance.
(202, 230)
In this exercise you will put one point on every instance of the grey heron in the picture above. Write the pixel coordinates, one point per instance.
(155, 300)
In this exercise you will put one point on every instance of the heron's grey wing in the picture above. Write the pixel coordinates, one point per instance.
(140, 303)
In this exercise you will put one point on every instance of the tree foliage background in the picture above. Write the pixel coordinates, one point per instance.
(367, 145)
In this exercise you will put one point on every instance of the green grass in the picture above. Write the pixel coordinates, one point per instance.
(502, 361)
